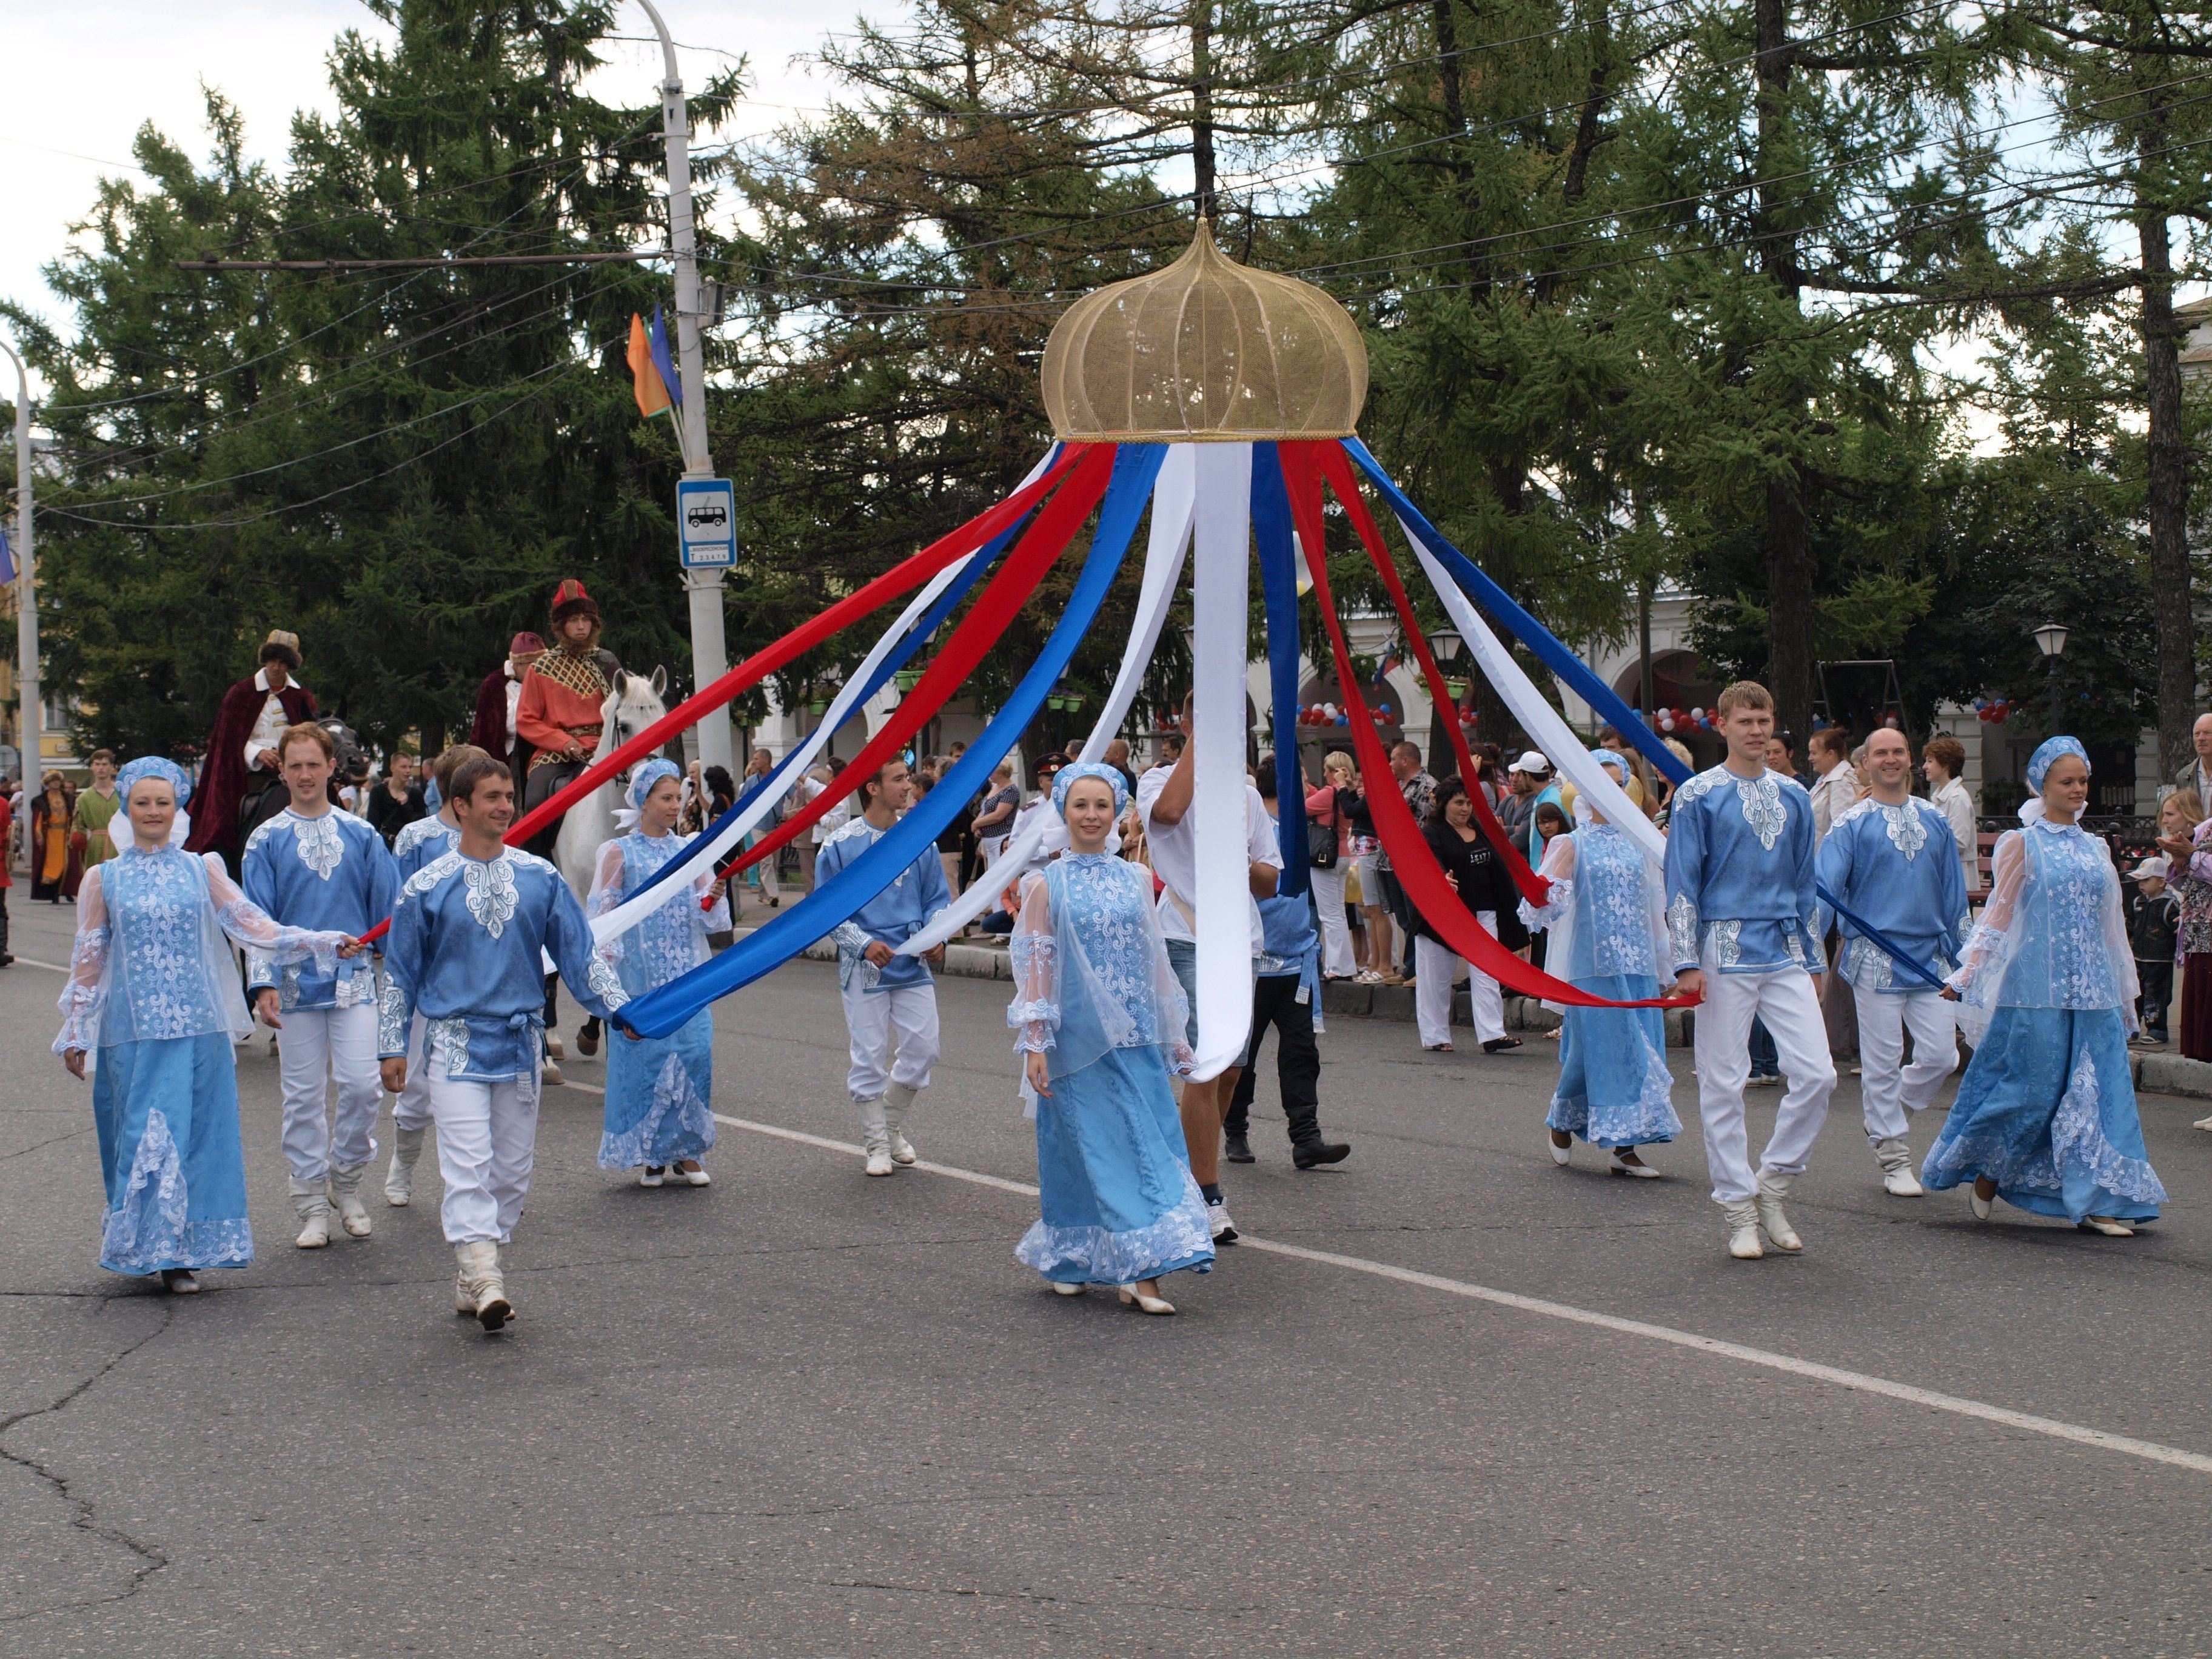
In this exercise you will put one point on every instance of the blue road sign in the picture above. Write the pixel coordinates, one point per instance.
(707, 523)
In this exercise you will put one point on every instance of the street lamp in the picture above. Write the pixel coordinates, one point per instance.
(27, 592)
(2051, 640)
(710, 651)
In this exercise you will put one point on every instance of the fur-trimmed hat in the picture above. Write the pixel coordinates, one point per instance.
(570, 600)
(525, 645)
(282, 644)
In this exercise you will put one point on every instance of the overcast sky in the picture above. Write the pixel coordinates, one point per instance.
(77, 80)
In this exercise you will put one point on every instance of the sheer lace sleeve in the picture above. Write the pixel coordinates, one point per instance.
(715, 917)
(2008, 875)
(1034, 1012)
(1559, 869)
(606, 894)
(81, 995)
(2119, 953)
(254, 928)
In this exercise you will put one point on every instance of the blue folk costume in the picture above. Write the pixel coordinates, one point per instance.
(153, 1001)
(1740, 874)
(419, 842)
(328, 874)
(657, 1088)
(1606, 913)
(1096, 995)
(1897, 868)
(2047, 1107)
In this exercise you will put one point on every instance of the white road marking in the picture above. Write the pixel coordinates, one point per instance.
(2151, 1450)
(32, 961)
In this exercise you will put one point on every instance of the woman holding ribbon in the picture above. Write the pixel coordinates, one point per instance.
(1102, 1019)
(657, 1120)
(1606, 915)
(2045, 1117)
(152, 1010)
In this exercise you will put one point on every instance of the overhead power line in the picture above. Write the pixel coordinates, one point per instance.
(334, 265)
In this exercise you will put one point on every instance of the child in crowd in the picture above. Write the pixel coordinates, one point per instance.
(2154, 925)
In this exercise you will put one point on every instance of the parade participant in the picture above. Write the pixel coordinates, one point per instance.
(884, 993)
(2045, 1117)
(498, 698)
(1740, 915)
(1477, 875)
(90, 824)
(152, 1007)
(423, 842)
(1607, 916)
(241, 754)
(557, 712)
(1102, 1019)
(314, 867)
(1164, 795)
(56, 870)
(658, 1120)
(1894, 861)
(464, 949)
(7, 861)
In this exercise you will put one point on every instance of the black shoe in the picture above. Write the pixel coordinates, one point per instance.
(1237, 1149)
(1498, 1045)
(1308, 1153)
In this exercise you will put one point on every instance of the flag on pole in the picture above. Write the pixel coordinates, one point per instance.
(666, 365)
(7, 559)
(647, 381)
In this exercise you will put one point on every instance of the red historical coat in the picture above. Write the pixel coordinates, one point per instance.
(223, 778)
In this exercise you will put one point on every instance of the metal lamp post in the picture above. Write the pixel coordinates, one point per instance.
(710, 651)
(2051, 640)
(27, 594)
(1444, 646)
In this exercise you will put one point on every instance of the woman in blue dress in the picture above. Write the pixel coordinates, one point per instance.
(2045, 1117)
(657, 1120)
(1606, 914)
(152, 1011)
(1101, 1018)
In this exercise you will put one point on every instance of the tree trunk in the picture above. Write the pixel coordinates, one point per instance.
(2168, 504)
(1201, 106)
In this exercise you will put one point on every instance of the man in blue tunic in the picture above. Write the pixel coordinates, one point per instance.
(1743, 922)
(313, 866)
(1894, 861)
(885, 993)
(464, 949)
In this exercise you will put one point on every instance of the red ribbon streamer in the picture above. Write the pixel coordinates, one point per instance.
(1040, 545)
(1410, 856)
(1337, 467)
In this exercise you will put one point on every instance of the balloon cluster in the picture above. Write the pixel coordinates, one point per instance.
(1682, 720)
(1327, 713)
(1996, 710)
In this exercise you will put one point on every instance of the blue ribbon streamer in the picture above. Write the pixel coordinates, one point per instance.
(1604, 700)
(1279, 583)
(660, 1012)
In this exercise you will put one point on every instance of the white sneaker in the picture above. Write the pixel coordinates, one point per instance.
(1895, 1157)
(1772, 1189)
(1743, 1229)
(879, 1160)
(1225, 1230)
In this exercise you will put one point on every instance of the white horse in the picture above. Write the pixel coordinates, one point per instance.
(634, 704)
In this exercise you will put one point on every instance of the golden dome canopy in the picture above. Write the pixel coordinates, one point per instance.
(1206, 350)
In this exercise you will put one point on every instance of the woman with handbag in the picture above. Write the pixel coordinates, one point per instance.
(1328, 844)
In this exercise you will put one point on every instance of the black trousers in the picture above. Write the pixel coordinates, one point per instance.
(1298, 1059)
(1401, 908)
(3, 915)
(544, 782)
(2155, 978)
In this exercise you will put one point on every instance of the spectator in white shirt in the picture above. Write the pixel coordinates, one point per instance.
(1942, 763)
(1835, 785)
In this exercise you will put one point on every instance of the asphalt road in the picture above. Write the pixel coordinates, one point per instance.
(802, 1412)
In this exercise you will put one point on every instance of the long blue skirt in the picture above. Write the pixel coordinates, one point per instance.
(1117, 1199)
(2047, 1110)
(658, 1089)
(167, 1111)
(1613, 1083)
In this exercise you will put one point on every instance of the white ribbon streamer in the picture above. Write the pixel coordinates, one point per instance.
(1220, 615)
(1044, 833)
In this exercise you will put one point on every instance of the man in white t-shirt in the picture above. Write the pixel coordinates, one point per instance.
(1163, 796)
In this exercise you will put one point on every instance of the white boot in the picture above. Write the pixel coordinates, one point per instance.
(311, 1202)
(399, 1179)
(345, 1197)
(875, 1136)
(1896, 1160)
(1743, 1229)
(896, 1102)
(1772, 1189)
(484, 1282)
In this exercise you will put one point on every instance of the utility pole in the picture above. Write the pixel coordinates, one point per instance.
(27, 592)
(709, 651)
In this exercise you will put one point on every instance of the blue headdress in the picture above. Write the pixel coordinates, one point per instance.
(1068, 776)
(2041, 762)
(641, 785)
(153, 766)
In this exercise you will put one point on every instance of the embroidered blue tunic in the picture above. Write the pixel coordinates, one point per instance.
(153, 1001)
(332, 874)
(917, 895)
(1095, 993)
(1897, 866)
(1606, 915)
(2047, 1107)
(1740, 873)
(657, 1088)
(422, 842)
(464, 952)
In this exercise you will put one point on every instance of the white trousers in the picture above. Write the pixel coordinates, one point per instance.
(1785, 1000)
(1335, 934)
(873, 1018)
(1888, 1087)
(487, 1143)
(321, 1046)
(1435, 967)
(410, 1108)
